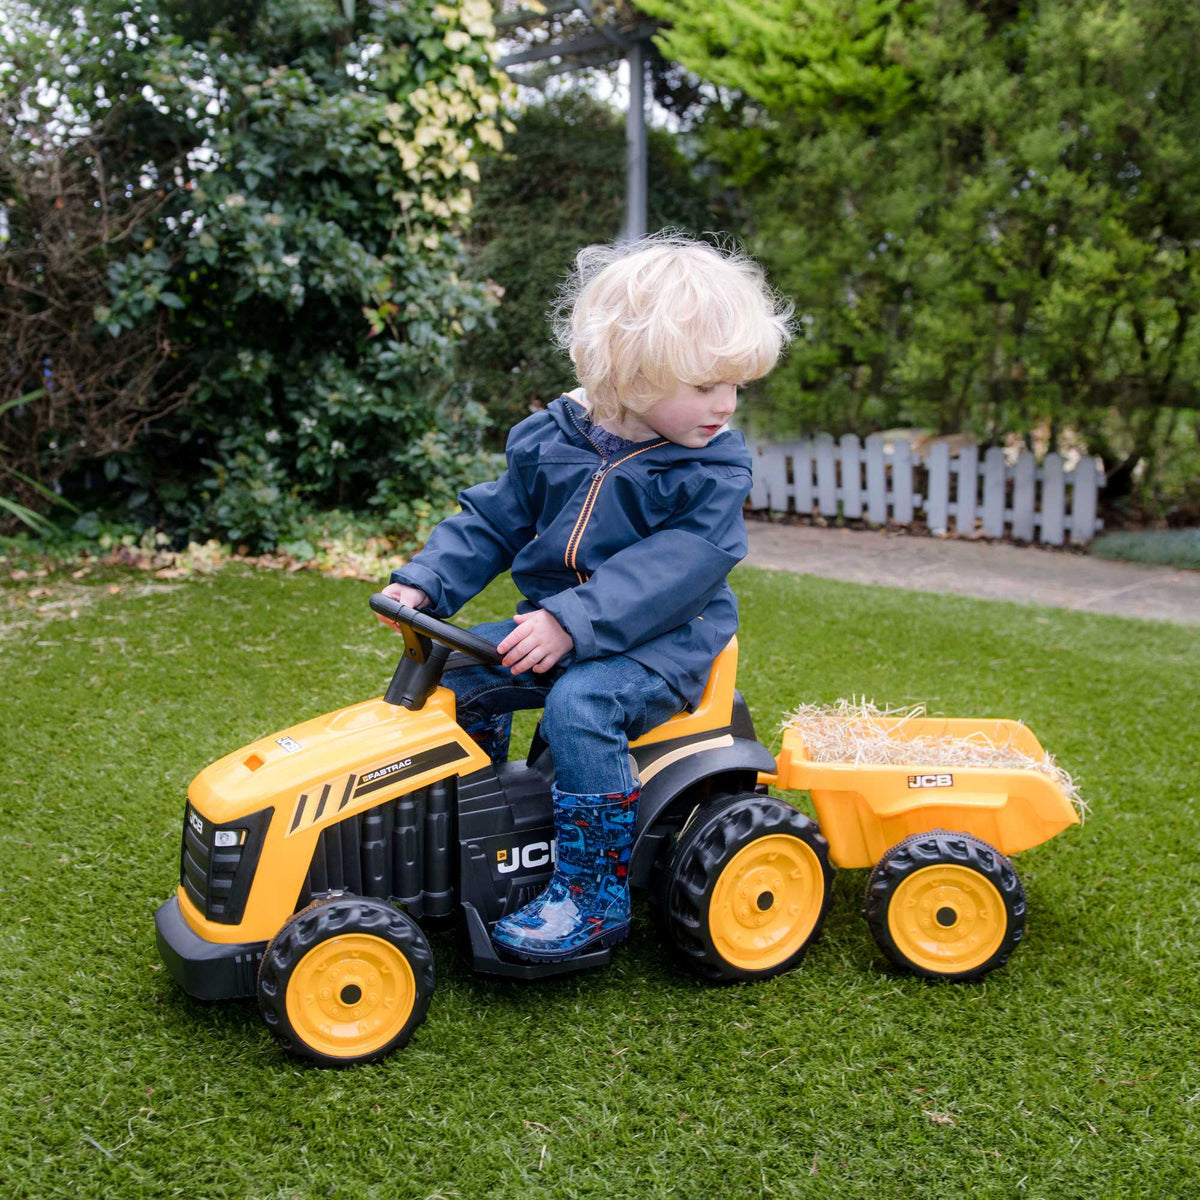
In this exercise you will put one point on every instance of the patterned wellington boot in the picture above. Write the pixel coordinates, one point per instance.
(586, 903)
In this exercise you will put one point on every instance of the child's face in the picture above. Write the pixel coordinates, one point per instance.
(691, 415)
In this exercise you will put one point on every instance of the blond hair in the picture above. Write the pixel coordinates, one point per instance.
(640, 317)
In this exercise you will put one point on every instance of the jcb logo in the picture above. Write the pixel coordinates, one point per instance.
(917, 781)
(197, 822)
(536, 854)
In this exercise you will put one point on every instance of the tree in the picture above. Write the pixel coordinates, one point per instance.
(987, 214)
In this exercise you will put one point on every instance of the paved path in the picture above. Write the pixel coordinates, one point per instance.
(992, 571)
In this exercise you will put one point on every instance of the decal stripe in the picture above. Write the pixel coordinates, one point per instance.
(299, 814)
(653, 767)
(321, 803)
(346, 793)
(439, 755)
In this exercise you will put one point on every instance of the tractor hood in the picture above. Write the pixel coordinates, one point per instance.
(322, 769)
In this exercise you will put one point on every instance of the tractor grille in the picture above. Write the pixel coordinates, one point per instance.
(217, 878)
(399, 851)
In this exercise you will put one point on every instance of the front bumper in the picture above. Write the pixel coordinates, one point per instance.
(205, 970)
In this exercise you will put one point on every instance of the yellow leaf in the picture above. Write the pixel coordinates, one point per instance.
(456, 39)
(471, 171)
(478, 11)
(490, 135)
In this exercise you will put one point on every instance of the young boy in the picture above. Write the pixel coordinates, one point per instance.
(620, 516)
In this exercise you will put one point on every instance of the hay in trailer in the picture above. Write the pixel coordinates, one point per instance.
(851, 731)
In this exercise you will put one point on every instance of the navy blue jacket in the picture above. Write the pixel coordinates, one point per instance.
(629, 555)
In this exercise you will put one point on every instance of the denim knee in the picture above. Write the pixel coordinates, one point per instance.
(591, 714)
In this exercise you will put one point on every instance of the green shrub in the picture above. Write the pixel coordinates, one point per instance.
(284, 187)
(1170, 547)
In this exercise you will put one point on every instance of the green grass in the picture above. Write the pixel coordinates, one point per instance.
(1072, 1072)
(1164, 547)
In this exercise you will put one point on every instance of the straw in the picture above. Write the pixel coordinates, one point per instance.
(852, 731)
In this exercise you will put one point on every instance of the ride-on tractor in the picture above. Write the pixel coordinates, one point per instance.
(310, 856)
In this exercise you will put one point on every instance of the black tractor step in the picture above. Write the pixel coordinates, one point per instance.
(486, 959)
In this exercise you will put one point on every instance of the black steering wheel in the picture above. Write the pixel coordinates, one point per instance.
(413, 622)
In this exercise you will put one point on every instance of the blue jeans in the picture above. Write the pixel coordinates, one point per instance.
(592, 710)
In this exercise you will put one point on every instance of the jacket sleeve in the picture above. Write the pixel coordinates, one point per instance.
(467, 551)
(662, 581)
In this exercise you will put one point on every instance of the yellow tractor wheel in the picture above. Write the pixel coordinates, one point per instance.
(346, 980)
(946, 906)
(745, 888)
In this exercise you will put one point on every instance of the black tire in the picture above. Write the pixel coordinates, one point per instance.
(918, 927)
(371, 946)
(742, 936)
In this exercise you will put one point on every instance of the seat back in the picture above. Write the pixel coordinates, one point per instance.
(715, 709)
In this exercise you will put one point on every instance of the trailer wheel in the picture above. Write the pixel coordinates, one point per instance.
(946, 906)
(346, 980)
(745, 888)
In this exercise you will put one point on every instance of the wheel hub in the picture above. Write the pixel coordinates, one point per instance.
(350, 995)
(947, 918)
(766, 901)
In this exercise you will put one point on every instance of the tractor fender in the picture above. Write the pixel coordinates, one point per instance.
(738, 765)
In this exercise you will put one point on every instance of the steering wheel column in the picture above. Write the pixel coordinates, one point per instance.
(427, 645)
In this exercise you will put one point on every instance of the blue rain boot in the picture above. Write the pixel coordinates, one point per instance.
(586, 903)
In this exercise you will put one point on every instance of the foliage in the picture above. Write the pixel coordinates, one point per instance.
(988, 214)
(1167, 547)
(344, 544)
(272, 194)
(816, 56)
(558, 185)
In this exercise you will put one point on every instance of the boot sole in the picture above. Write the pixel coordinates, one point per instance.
(608, 939)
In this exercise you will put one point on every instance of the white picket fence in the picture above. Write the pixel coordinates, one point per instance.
(884, 481)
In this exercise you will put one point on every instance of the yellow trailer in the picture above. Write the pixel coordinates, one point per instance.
(943, 899)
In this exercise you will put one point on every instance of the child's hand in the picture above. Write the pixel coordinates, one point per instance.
(538, 642)
(413, 597)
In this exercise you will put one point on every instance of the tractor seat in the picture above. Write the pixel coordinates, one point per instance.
(715, 709)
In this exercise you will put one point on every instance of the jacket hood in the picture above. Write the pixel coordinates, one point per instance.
(727, 447)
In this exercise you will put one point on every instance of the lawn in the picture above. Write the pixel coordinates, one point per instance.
(1071, 1072)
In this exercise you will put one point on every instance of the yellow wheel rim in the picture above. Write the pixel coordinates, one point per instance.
(766, 903)
(350, 995)
(947, 919)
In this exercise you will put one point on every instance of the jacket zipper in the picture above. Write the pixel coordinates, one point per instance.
(590, 499)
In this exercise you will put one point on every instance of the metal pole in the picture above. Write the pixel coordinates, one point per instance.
(635, 144)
